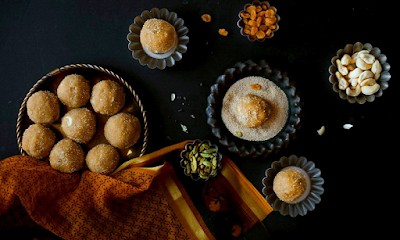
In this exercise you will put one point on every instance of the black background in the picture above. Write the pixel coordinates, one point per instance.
(358, 165)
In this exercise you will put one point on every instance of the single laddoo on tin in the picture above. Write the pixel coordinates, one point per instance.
(158, 36)
(79, 124)
(122, 130)
(67, 156)
(102, 159)
(108, 97)
(43, 107)
(38, 140)
(255, 109)
(291, 185)
(74, 91)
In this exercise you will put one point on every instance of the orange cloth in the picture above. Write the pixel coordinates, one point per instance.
(136, 202)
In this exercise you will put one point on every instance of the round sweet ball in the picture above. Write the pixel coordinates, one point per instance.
(122, 130)
(43, 107)
(38, 140)
(102, 159)
(108, 97)
(252, 111)
(289, 185)
(157, 35)
(67, 156)
(79, 124)
(74, 91)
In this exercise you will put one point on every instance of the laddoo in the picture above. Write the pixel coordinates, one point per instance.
(122, 130)
(157, 35)
(38, 140)
(290, 185)
(79, 124)
(108, 97)
(67, 156)
(74, 91)
(102, 159)
(43, 107)
(252, 111)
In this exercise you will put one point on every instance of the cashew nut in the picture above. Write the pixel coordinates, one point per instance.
(367, 82)
(355, 56)
(354, 81)
(365, 75)
(346, 59)
(342, 69)
(343, 84)
(376, 69)
(353, 91)
(369, 90)
(355, 73)
(363, 65)
(367, 58)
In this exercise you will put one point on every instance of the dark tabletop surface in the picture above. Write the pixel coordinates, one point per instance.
(39, 36)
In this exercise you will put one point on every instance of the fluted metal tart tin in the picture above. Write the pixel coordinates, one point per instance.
(310, 199)
(241, 24)
(152, 60)
(383, 80)
(244, 147)
(94, 74)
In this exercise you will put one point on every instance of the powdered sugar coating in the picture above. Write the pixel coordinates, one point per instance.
(102, 159)
(277, 105)
(122, 130)
(67, 156)
(79, 125)
(43, 107)
(74, 91)
(108, 97)
(38, 141)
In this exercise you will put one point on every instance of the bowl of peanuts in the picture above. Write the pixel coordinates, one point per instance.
(359, 73)
(258, 21)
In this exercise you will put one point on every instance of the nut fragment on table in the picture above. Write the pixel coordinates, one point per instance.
(358, 73)
(202, 159)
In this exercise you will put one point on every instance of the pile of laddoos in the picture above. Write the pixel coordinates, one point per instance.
(122, 130)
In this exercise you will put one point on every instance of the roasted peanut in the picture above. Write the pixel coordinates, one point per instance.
(223, 32)
(206, 17)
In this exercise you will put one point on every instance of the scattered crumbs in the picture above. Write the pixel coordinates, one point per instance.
(180, 110)
(347, 126)
(184, 128)
(183, 104)
(201, 84)
(321, 130)
(172, 97)
(192, 116)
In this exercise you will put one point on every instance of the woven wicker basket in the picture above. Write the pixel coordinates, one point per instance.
(94, 74)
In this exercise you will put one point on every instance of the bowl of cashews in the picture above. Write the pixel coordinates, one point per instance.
(359, 73)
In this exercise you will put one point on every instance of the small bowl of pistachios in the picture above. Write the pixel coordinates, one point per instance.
(201, 160)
